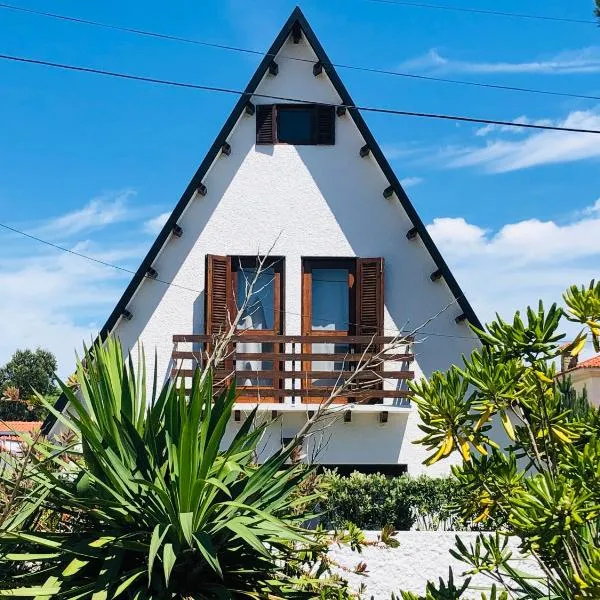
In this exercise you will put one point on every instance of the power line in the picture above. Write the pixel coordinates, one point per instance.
(134, 30)
(195, 291)
(186, 40)
(481, 11)
(207, 88)
(172, 284)
(91, 258)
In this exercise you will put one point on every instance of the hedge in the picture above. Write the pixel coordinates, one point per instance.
(373, 501)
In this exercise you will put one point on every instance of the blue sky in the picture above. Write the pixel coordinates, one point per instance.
(91, 162)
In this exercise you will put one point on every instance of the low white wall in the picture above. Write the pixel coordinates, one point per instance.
(422, 556)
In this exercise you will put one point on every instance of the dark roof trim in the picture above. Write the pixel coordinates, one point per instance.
(211, 156)
(370, 141)
(296, 19)
(213, 153)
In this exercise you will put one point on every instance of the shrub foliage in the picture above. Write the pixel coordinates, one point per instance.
(374, 501)
(543, 487)
(29, 371)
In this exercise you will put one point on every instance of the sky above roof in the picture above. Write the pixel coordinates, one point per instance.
(94, 163)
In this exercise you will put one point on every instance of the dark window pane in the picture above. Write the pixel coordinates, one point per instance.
(253, 365)
(295, 125)
(330, 299)
(335, 366)
(259, 312)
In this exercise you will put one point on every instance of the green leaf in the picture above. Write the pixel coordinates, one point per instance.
(155, 544)
(127, 583)
(30, 592)
(205, 545)
(247, 535)
(108, 573)
(74, 567)
(169, 559)
(187, 526)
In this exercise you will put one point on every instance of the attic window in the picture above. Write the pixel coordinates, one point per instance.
(296, 124)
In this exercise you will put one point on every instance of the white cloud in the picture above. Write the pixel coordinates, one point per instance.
(97, 213)
(456, 236)
(155, 224)
(57, 300)
(593, 209)
(534, 149)
(510, 268)
(411, 181)
(523, 120)
(583, 61)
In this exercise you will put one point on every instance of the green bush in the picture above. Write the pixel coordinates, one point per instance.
(374, 501)
(15, 410)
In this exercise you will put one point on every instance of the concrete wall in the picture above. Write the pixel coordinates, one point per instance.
(313, 201)
(421, 556)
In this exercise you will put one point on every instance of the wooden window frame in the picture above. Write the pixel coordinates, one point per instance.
(277, 263)
(308, 264)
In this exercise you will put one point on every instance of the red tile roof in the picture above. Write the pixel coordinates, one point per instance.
(8, 427)
(590, 363)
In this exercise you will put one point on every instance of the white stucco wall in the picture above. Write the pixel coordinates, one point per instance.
(421, 557)
(315, 201)
(588, 379)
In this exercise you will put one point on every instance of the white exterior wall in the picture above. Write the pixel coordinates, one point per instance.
(421, 557)
(311, 201)
(588, 379)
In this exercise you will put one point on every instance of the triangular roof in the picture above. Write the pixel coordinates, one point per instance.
(297, 21)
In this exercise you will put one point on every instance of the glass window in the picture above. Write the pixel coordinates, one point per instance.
(248, 365)
(260, 310)
(295, 125)
(330, 299)
(329, 365)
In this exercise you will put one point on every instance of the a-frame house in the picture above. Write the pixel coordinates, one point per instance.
(296, 170)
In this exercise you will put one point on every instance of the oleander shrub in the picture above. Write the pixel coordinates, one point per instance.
(374, 501)
(543, 485)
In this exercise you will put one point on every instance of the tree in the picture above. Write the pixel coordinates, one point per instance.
(30, 372)
(544, 486)
(598, 9)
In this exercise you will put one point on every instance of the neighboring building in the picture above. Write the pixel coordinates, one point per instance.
(586, 375)
(296, 168)
(10, 430)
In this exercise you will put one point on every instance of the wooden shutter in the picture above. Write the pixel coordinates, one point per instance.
(218, 292)
(369, 296)
(325, 125)
(265, 124)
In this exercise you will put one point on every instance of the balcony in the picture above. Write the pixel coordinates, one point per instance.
(300, 370)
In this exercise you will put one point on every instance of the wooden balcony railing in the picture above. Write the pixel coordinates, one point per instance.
(271, 368)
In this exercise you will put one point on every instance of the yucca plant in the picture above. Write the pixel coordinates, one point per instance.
(151, 503)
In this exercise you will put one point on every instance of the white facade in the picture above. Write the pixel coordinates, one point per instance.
(588, 379)
(304, 201)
